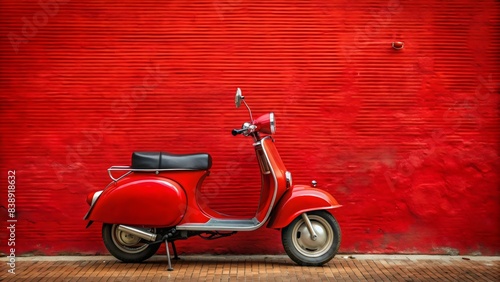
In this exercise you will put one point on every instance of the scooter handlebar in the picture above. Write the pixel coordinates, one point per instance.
(235, 132)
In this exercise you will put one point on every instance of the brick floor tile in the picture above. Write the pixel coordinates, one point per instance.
(256, 268)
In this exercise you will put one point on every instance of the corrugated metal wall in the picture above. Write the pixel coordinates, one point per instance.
(406, 140)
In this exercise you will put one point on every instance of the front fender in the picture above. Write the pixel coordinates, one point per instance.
(297, 200)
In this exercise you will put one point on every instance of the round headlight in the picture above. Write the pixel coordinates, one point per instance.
(265, 123)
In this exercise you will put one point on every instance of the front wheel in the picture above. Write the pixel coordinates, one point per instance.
(304, 250)
(126, 247)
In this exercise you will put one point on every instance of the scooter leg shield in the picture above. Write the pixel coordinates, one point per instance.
(148, 201)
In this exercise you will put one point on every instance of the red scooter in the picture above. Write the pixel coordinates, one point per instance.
(157, 199)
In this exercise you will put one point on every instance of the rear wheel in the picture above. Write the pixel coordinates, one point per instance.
(302, 249)
(125, 246)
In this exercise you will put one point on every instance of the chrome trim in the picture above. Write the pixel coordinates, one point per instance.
(130, 170)
(238, 97)
(312, 232)
(249, 128)
(96, 196)
(138, 232)
(288, 176)
(314, 183)
(120, 177)
(94, 200)
(251, 118)
(222, 225)
(230, 225)
(272, 121)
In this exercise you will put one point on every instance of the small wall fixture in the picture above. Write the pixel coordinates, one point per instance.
(398, 45)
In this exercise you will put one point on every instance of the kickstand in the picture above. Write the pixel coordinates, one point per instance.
(176, 257)
(168, 256)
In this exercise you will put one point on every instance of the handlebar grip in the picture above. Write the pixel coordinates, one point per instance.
(235, 132)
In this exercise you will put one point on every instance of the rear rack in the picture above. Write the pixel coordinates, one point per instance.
(128, 170)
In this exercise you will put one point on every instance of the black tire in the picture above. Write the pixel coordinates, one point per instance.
(126, 247)
(302, 249)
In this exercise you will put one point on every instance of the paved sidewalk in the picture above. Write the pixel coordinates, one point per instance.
(255, 268)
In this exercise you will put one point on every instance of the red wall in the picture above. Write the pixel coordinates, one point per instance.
(406, 140)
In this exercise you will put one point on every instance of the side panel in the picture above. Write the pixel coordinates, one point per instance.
(300, 199)
(191, 181)
(146, 200)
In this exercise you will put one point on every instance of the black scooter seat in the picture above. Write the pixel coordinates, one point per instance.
(161, 160)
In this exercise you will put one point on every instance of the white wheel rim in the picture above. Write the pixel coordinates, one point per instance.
(303, 242)
(127, 242)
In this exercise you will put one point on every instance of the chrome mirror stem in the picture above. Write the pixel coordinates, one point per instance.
(251, 118)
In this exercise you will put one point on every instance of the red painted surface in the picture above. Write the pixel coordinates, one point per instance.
(161, 199)
(300, 199)
(273, 178)
(142, 199)
(265, 123)
(406, 140)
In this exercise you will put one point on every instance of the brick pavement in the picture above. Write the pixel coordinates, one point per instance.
(255, 268)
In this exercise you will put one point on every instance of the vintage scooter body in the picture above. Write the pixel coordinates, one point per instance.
(158, 199)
